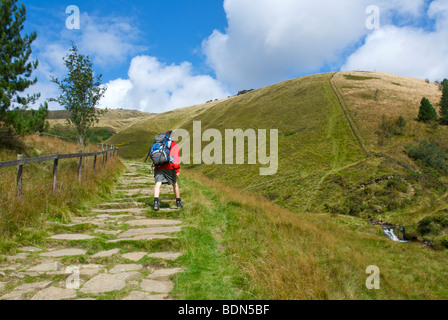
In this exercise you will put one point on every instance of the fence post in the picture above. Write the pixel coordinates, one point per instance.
(55, 173)
(94, 162)
(80, 166)
(19, 177)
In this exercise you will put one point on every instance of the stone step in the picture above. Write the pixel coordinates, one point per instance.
(118, 205)
(71, 237)
(149, 231)
(112, 211)
(148, 237)
(153, 223)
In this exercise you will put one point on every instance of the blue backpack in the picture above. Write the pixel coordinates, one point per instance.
(160, 150)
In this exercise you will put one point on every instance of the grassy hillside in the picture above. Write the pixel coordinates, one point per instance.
(115, 120)
(322, 167)
(240, 246)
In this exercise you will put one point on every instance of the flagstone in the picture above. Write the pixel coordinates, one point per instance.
(120, 268)
(30, 249)
(103, 283)
(140, 296)
(64, 253)
(54, 293)
(72, 237)
(46, 267)
(36, 286)
(164, 274)
(143, 237)
(147, 231)
(165, 255)
(153, 223)
(156, 286)
(134, 256)
(106, 254)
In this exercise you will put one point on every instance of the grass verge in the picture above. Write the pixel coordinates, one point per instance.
(240, 246)
(22, 222)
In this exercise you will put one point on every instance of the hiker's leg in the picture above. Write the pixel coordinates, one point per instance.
(157, 189)
(176, 190)
(177, 193)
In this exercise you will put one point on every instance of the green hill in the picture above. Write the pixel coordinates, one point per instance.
(322, 165)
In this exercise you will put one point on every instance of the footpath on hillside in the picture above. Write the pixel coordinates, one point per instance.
(118, 251)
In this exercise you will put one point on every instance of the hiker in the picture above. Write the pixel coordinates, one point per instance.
(168, 173)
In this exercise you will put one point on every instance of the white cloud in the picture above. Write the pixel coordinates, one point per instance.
(269, 41)
(110, 41)
(407, 51)
(155, 87)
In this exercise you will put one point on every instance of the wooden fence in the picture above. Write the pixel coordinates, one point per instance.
(110, 151)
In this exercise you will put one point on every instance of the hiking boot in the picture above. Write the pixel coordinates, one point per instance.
(156, 205)
(179, 204)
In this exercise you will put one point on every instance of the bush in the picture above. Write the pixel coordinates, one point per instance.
(9, 140)
(244, 91)
(430, 154)
(444, 103)
(427, 112)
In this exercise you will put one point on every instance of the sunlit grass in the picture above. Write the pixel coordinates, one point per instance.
(243, 246)
(21, 220)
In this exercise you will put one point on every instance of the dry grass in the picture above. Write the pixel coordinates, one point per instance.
(39, 204)
(290, 256)
(115, 119)
(395, 96)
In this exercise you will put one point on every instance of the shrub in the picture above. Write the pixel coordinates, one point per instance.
(427, 112)
(430, 154)
(444, 103)
(244, 91)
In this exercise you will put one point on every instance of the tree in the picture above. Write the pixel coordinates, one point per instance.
(81, 93)
(427, 112)
(15, 72)
(444, 103)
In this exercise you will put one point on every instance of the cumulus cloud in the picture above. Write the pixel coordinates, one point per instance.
(269, 41)
(153, 86)
(407, 51)
(108, 41)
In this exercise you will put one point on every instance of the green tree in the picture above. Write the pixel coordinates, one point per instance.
(444, 103)
(15, 73)
(427, 112)
(81, 92)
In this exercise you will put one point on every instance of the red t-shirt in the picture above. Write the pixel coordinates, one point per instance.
(175, 153)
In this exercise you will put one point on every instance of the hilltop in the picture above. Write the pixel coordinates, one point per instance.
(114, 119)
(322, 164)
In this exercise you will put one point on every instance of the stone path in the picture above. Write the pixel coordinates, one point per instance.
(116, 252)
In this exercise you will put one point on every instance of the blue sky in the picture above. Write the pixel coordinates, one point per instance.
(159, 55)
(170, 30)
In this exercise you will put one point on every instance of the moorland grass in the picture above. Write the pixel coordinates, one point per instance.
(24, 222)
(240, 246)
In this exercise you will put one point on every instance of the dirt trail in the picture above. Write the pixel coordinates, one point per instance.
(114, 252)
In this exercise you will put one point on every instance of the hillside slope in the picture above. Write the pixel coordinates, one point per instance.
(322, 167)
(115, 119)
